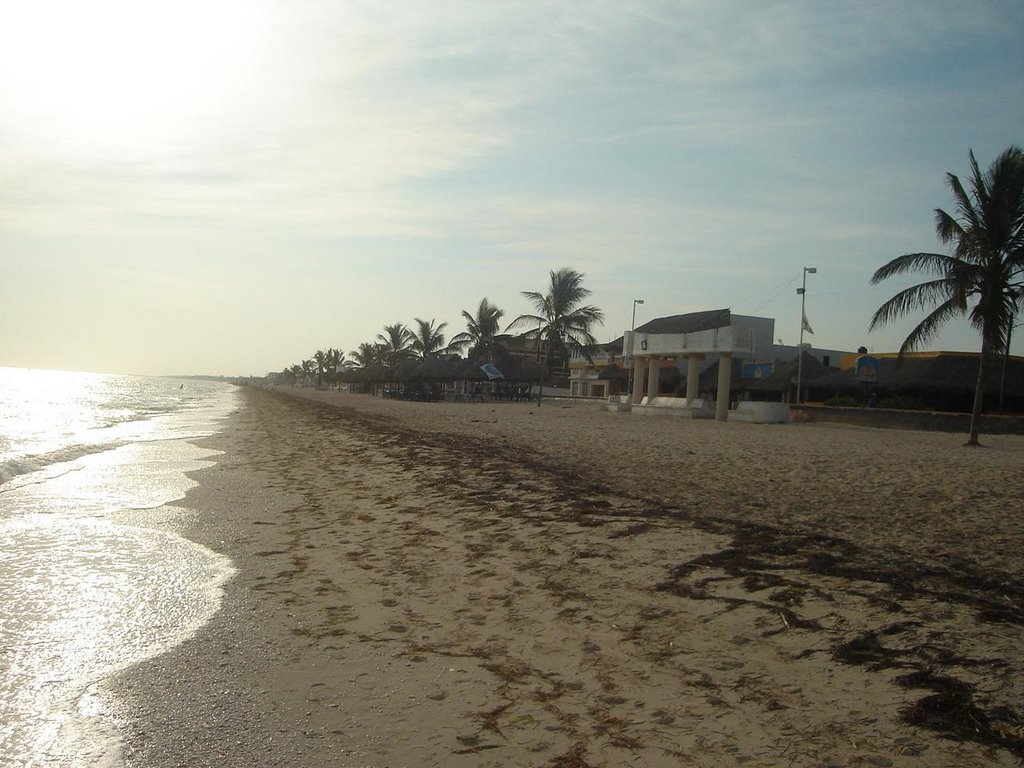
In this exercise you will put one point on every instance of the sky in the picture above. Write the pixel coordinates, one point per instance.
(227, 186)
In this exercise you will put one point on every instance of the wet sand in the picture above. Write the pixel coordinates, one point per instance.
(502, 585)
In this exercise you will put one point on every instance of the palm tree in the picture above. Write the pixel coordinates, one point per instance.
(321, 358)
(561, 320)
(308, 370)
(367, 354)
(395, 343)
(482, 331)
(427, 338)
(981, 278)
(335, 360)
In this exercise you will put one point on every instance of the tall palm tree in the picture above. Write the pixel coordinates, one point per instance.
(981, 278)
(321, 358)
(395, 343)
(482, 335)
(562, 321)
(308, 370)
(427, 338)
(367, 354)
(335, 360)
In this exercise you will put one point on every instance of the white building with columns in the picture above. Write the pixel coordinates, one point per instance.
(712, 334)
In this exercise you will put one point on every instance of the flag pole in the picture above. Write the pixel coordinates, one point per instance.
(802, 290)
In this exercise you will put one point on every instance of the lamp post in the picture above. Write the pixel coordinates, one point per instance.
(802, 290)
(632, 327)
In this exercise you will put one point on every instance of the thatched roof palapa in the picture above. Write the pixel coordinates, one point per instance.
(613, 372)
(438, 368)
(402, 372)
(784, 375)
(371, 374)
(941, 372)
(708, 380)
(469, 370)
(518, 369)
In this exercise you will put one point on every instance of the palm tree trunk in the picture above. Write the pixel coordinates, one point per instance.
(1006, 361)
(979, 395)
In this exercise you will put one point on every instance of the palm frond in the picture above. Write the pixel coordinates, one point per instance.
(916, 297)
(934, 263)
(925, 330)
(524, 321)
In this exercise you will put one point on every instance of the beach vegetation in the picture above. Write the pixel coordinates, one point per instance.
(320, 359)
(308, 369)
(562, 321)
(367, 354)
(482, 336)
(902, 403)
(981, 278)
(395, 344)
(427, 338)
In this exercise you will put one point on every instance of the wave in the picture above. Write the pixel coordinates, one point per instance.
(24, 465)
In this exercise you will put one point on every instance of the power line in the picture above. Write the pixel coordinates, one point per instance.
(777, 293)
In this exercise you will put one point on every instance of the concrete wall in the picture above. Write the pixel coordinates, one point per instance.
(924, 420)
(761, 330)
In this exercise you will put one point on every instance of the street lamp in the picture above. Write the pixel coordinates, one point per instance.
(632, 327)
(802, 290)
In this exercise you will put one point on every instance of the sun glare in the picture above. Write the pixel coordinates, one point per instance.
(117, 73)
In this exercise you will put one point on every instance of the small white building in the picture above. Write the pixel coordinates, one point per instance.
(697, 336)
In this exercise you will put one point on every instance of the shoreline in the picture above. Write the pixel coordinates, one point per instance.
(493, 584)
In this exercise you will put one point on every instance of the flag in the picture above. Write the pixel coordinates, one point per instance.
(806, 326)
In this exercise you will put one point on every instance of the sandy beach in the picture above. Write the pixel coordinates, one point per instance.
(426, 584)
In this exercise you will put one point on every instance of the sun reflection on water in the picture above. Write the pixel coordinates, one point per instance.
(85, 609)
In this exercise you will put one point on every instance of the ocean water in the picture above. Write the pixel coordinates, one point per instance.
(93, 575)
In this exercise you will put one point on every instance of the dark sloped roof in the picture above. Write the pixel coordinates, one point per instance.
(784, 375)
(691, 322)
(944, 372)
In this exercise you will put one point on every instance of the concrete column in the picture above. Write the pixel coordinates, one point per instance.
(638, 379)
(653, 372)
(724, 384)
(693, 378)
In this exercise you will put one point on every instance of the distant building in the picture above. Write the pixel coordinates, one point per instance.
(607, 372)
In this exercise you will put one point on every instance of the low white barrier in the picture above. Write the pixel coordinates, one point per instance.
(761, 413)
